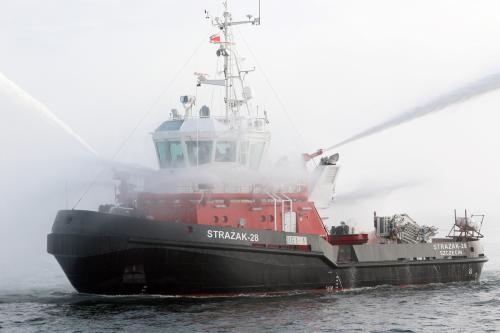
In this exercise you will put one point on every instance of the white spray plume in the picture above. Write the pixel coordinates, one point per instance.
(374, 190)
(476, 88)
(10, 87)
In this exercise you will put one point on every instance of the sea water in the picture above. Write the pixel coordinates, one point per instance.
(51, 305)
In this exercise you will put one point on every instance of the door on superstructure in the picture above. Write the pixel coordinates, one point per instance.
(290, 222)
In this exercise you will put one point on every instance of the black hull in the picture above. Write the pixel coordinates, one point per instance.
(198, 271)
(115, 264)
(180, 271)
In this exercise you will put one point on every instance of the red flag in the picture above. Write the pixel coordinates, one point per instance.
(215, 39)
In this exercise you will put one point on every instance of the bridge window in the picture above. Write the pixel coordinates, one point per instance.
(243, 156)
(256, 150)
(225, 151)
(199, 152)
(170, 154)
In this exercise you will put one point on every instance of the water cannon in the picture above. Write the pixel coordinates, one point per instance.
(327, 160)
(330, 160)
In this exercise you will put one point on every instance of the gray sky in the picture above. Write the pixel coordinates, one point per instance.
(338, 67)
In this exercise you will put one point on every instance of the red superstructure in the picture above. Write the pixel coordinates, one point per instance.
(236, 210)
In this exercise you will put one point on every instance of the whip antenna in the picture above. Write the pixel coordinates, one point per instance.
(259, 12)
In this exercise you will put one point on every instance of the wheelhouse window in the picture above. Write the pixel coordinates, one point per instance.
(161, 149)
(170, 154)
(243, 155)
(225, 151)
(199, 152)
(256, 150)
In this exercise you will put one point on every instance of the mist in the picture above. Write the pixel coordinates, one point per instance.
(337, 66)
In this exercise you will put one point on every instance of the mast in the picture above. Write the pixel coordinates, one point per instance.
(232, 102)
(227, 60)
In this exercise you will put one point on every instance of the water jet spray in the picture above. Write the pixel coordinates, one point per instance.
(14, 90)
(459, 95)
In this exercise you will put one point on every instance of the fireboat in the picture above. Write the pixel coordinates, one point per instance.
(211, 219)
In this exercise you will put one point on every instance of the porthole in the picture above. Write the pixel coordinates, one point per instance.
(262, 218)
(271, 218)
(225, 219)
(215, 219)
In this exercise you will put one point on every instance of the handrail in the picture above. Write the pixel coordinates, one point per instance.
(275, 209)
